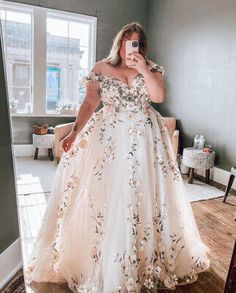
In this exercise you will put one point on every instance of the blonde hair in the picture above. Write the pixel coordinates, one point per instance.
(114, 57)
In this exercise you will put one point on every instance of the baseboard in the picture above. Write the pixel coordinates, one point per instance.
(27, 150)
(217, 175)
(10, 262)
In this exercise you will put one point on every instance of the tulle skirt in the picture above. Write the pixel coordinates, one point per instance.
(118, 219)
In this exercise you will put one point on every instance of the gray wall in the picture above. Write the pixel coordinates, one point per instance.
(22, 126)
(8, 222)
(112, 15)
(195, 41)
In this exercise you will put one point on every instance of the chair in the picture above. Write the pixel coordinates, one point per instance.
(174, 133)
(63, 130)
(230, 182)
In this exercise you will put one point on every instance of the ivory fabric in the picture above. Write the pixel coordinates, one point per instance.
(118, 218)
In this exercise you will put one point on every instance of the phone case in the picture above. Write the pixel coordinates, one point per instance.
(131, 46)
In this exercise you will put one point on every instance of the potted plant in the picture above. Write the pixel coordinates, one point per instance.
(13, 105)
(66, 107)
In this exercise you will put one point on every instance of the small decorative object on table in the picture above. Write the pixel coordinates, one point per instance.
(195, 141)
(199, 159)
(13, 105)
(40, 129)
(51, 130)
(66, 107)
(208, 149)
(199, 141)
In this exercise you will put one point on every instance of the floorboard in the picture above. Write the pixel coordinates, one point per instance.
(217, 228)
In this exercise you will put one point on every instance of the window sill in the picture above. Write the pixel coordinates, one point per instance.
(41, 115)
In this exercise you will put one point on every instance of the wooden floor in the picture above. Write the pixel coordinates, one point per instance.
(216, 224)
(217, 228)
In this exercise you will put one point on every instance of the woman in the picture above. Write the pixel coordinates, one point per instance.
(118, 219)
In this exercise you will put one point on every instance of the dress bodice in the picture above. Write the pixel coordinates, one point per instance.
(119, 96)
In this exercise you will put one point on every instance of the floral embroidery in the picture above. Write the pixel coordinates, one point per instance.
(83, 143)
(108, 155)
(88, 286)
(61, 210)
(70, 185)
(116, 97)
(150, 261)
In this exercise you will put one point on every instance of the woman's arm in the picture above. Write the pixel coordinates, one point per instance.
(89, 105)
(155, 84)
(87, 108)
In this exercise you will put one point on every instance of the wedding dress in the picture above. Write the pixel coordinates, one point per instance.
(118, 218)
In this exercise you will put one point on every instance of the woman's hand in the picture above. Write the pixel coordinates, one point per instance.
(138, 62)
(155, 82)
(68, 140)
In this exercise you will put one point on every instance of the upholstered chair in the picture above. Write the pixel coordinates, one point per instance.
(63, 130)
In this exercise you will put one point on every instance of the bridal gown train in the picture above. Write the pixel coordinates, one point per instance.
(118, 218)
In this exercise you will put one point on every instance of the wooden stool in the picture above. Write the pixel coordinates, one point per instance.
(45, 141)
(230, 182)
(197, 158)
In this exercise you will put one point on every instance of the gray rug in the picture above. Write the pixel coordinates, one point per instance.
(201, 191)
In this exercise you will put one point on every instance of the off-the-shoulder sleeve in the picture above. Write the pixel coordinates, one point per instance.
(156, 67)
(92, 76)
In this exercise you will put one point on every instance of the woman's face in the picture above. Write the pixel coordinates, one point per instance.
(133, 36)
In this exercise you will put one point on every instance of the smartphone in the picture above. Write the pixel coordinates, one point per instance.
(131, 46)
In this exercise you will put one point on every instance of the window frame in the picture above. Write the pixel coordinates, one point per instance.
(29, 10)
(39, 52)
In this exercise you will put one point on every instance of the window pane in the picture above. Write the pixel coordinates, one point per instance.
(20, 74)
(67, 56)
(80, 31)
(57, 41)
(74, 51)
(21, 95)
(17, 30)
(84, 57)
(53, 87)
(18, 36)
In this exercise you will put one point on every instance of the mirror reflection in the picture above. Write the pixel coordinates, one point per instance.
(117, 163)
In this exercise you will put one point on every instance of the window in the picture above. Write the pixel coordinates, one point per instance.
(17, 38)
(47, 52)
(67, 60)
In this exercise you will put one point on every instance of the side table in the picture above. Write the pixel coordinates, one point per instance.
(197, 158)
(43, 141)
